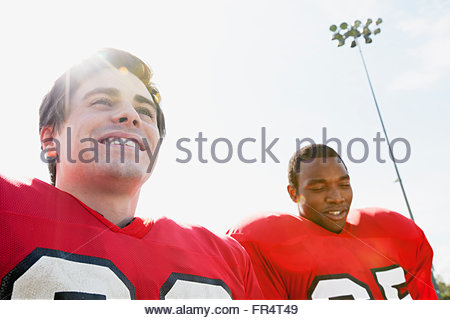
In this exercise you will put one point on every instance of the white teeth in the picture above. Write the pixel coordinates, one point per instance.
(131, 143)
(334, 213)
(113, 141)
(121, 141)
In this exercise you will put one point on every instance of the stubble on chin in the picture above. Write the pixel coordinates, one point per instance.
(116, 170)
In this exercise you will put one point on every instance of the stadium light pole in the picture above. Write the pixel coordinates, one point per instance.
(355, 31)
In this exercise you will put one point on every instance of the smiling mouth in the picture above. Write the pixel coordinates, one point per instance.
(133, 143)
(336, 214)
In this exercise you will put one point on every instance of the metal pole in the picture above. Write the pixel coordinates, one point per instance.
(433, 280)
(385, 133)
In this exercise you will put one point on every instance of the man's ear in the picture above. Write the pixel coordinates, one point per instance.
(48, 143)
(292, 193)
(46, 138)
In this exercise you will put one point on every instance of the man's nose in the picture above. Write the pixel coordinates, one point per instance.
(127, 115)
(335, 196)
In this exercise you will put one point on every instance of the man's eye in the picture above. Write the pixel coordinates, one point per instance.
(145, 111)
(104, 101)
(317, 189)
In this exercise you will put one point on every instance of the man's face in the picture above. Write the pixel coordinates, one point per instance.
(324, 193)
(113, 126)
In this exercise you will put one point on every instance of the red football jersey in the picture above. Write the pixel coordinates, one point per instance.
(52, 246)
(379, 254)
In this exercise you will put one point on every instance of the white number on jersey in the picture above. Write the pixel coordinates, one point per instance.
(338, 287)
(54, 274)
(390, 281)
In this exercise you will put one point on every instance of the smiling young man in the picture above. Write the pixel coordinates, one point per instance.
(330, 252)
(101, 127)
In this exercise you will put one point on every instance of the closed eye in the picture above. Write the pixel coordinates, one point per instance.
(103, 101)
(345, 183)
(317, 188)
(145, 111)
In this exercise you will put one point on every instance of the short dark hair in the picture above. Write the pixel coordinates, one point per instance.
(52, 112)
(306, 154)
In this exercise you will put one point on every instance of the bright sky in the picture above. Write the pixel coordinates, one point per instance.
(229, 68)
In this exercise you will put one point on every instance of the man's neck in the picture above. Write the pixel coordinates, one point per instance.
(118, 206)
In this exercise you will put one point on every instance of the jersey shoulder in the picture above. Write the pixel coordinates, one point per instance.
(270, 229)
(383, 222)
(195, 238)
(15, 194)
(38, 199)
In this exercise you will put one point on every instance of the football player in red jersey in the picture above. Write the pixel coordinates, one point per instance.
(329, 251)
(101, 127)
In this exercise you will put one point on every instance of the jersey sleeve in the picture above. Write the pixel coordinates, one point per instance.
(252, 287)
(270, 283)
(418, 279)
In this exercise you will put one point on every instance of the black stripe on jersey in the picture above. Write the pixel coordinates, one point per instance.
(174, 276)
